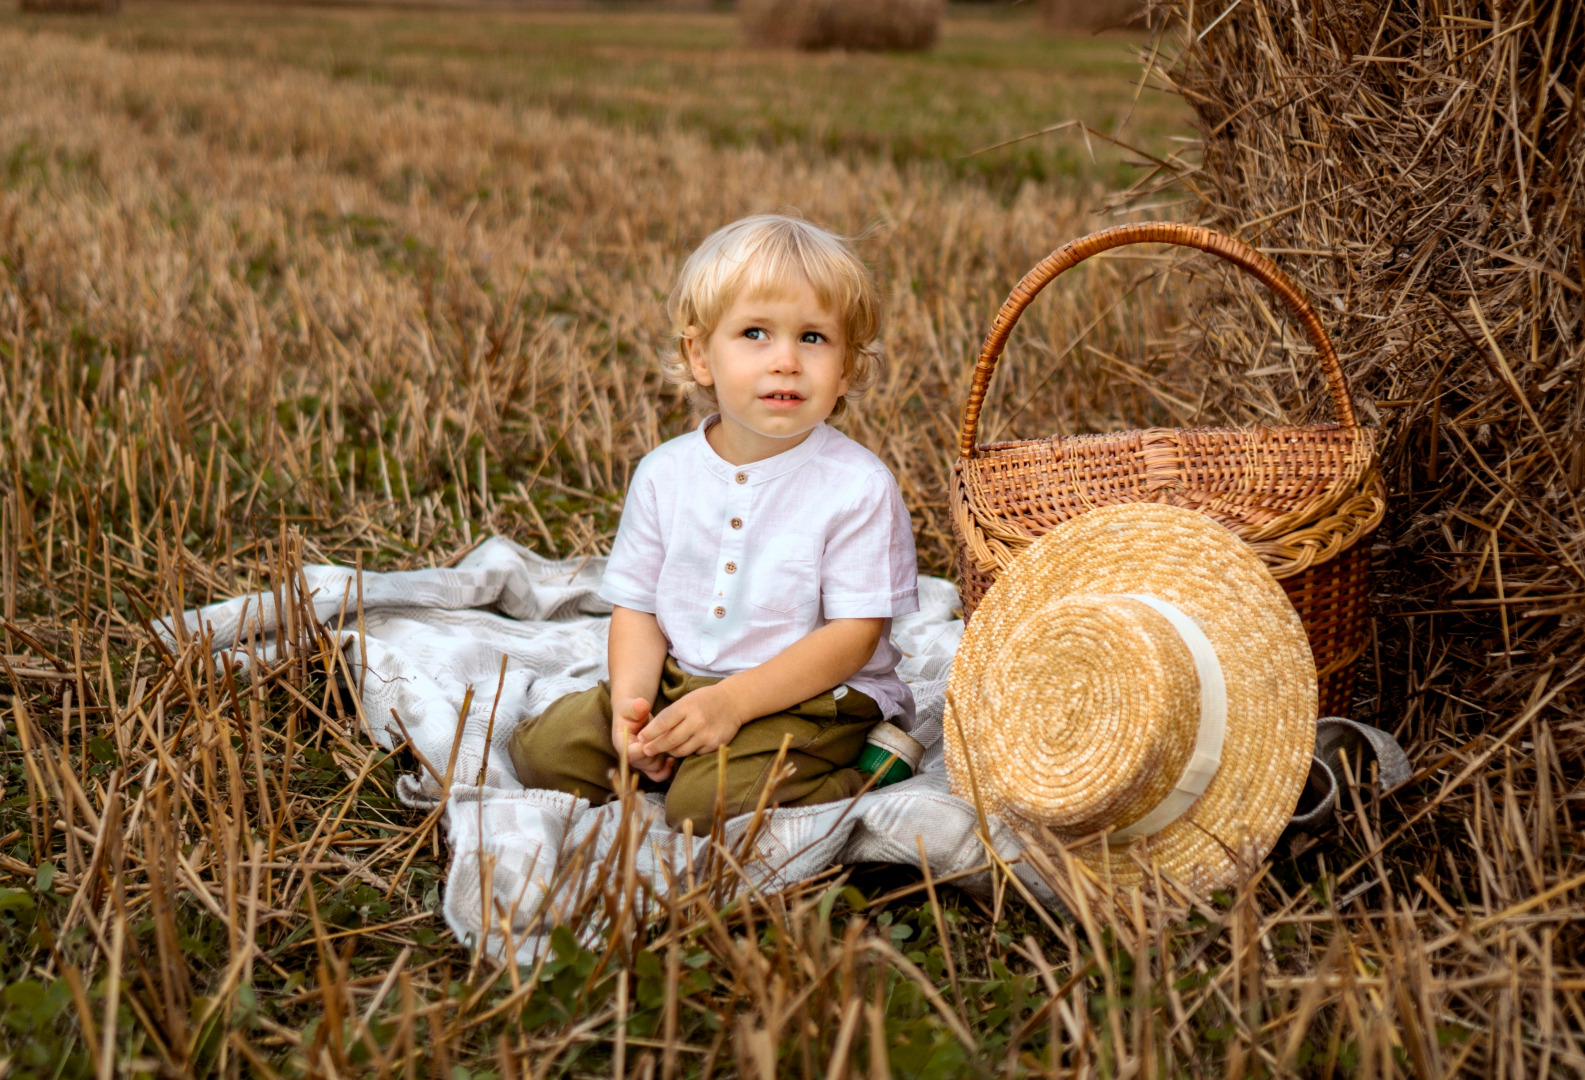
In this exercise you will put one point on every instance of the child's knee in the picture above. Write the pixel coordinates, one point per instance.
(568, 746)
(692, 794)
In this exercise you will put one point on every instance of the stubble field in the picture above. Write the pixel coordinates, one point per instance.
(328, 285)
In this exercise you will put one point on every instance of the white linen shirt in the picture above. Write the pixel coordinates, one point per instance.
(737, 562)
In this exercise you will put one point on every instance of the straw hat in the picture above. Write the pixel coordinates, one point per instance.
(1086, 694)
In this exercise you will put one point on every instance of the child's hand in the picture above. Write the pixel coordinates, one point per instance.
(697, 724)
(626, 719)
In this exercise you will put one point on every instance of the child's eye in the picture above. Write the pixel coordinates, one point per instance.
(754, 333)
(812, 337)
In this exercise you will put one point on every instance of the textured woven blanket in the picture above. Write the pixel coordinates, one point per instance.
(520, 857)
(429, 635)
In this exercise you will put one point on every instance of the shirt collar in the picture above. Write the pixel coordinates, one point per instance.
(765, 469)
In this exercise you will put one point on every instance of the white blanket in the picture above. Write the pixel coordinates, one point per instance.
(431, 634)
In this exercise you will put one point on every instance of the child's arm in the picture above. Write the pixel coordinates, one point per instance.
(710, 718)
(635, 653)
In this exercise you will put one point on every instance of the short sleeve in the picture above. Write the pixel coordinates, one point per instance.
(638, 554)
(869, 569)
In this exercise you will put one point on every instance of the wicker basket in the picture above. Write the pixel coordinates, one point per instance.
(1306, 499)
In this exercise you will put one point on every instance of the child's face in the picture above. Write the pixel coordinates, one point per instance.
(776, 364)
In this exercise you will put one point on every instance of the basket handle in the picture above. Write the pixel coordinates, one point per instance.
(1074, 252)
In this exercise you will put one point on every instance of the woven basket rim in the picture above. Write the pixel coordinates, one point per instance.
(1358, 432)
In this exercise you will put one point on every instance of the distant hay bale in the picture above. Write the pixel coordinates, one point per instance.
(1091, 16)
(71, 7)
(871, 25)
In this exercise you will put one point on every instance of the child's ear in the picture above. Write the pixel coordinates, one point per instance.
(697, 362)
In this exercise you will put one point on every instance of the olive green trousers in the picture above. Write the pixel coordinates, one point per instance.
(568, 748)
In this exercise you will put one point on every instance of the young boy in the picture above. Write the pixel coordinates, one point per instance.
(760, 558)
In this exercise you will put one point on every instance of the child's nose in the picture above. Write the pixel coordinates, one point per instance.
(784, 359)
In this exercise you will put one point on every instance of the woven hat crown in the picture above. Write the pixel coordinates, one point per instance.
(1136, 671)
(1119, 698)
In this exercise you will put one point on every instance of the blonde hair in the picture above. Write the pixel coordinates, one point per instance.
(761, 254)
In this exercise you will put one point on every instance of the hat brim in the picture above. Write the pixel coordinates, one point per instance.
(1200, 567)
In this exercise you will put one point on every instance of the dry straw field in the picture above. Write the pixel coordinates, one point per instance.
(286, 285)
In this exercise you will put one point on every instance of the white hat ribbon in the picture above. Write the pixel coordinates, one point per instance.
(1207, 755)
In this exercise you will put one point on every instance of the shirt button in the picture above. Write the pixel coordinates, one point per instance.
(720, 612)
(741, 478)
(737, 523)
(731, 567)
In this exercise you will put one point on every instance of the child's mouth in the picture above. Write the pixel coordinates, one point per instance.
(782, 399)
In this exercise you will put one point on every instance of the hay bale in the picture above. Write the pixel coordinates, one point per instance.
(871, 25)
(71, 7)
(1091, 16)
(1419, 166)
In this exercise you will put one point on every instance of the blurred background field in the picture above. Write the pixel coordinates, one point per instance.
(407, 240)
(993, 75)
